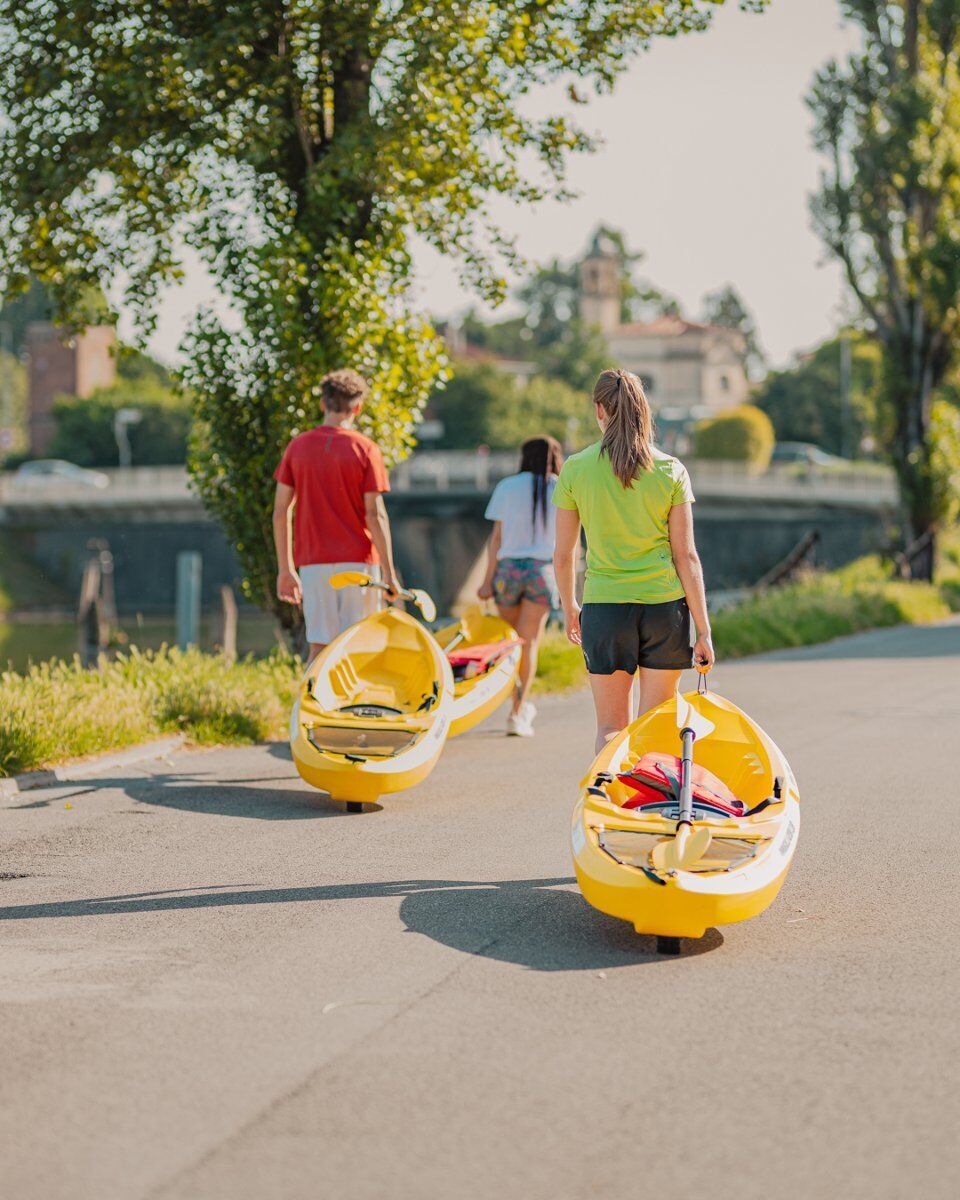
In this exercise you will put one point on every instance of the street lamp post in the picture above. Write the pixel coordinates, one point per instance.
(124, 418)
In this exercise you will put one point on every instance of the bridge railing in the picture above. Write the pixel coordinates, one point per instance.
(449, 471)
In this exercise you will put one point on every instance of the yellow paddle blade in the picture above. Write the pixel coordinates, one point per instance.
(428, 610)
(682, 851)
(349, 579)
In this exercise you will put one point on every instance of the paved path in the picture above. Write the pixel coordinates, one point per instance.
(214, 984)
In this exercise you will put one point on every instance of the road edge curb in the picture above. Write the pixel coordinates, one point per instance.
(13, 785)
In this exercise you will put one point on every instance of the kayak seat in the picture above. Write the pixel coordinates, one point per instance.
(484, 655)
(656, 779)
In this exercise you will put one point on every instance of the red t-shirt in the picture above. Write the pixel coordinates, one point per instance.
(331, 469)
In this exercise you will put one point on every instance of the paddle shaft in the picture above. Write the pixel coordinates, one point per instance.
(687, 737)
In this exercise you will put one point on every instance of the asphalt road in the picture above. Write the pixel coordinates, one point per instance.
(216, 984)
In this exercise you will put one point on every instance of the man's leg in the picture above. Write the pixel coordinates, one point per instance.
(355, 603)
(319, 608)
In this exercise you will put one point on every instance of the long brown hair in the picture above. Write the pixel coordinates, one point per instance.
(542, 457)
(629, 429)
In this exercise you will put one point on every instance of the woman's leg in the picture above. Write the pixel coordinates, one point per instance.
(530, 625)
(611, 699)
(656, 687)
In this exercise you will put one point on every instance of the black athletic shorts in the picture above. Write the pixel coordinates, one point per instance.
(623, 637)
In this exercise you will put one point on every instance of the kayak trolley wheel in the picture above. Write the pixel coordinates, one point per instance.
(668, 945)
(354, 806)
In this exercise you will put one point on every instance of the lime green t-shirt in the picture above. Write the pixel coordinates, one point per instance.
(628, 545)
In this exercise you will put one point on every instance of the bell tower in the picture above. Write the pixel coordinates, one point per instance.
(600, 285)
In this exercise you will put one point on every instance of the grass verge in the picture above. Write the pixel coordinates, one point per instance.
(57, 711)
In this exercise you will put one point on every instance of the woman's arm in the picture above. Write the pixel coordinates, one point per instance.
(687, 561)
(565, 568)
(485, 590)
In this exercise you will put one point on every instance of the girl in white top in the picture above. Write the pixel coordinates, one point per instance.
(520, 574)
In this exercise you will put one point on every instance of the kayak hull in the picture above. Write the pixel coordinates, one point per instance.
(359, 729)
(749, 856)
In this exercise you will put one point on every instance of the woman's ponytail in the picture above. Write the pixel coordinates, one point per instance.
(629, 428)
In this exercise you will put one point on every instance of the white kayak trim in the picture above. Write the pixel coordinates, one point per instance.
(487, 687)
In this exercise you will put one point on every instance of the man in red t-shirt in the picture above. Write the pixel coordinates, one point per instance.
(334, 479)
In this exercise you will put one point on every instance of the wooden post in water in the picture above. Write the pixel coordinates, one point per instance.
(97, 610)
(189, 567)
(228, 624)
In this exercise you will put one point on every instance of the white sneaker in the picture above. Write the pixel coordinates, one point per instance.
(520, 724)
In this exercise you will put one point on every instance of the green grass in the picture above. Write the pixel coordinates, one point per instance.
(58, 711)
(560, 666)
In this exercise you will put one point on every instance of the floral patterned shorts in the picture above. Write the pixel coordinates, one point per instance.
(519, 579)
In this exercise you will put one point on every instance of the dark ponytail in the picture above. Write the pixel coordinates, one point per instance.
(542, 457)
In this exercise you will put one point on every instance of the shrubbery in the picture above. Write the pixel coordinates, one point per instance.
(58, 711)
(744, 434)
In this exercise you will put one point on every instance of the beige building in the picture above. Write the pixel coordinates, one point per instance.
(689, 370)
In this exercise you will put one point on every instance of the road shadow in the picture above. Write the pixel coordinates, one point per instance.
(191, 792)
(534, 923)
(902, 641)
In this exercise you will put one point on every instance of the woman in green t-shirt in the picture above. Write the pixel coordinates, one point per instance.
(644, 582)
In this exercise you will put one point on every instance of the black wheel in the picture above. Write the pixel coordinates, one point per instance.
(354, 806)
(668, 945)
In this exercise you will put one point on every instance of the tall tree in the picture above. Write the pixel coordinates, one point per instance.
(888, 207)
(296, 145)
(725, 307)
(813, 401)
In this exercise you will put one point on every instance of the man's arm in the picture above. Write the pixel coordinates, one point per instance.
(687, 561)
(288, 581)
(565, 569)
(379, 525)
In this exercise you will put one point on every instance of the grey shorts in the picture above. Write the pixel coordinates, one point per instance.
(328, 611)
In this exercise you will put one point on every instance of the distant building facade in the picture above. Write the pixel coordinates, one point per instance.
(75, 366)
(689, 370)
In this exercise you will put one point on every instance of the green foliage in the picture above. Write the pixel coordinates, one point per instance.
(743, 434)
(945, 460)
(483, 405)
(33, 304)
(725, 307)
(137, 697)
(295, 148)
(822, 607)
(13, 406)
(889, 209)
(560, 666)
(804, 402)
(85, 432)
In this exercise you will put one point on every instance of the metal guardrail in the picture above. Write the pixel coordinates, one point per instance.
(450, 471)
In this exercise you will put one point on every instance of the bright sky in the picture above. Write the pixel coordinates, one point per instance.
(706, 166)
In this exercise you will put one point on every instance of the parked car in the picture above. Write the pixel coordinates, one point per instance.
(805, 452)
(53, 472)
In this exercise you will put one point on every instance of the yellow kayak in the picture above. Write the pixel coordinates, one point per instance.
(373, 710)
(687, 819)
(484, 654)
